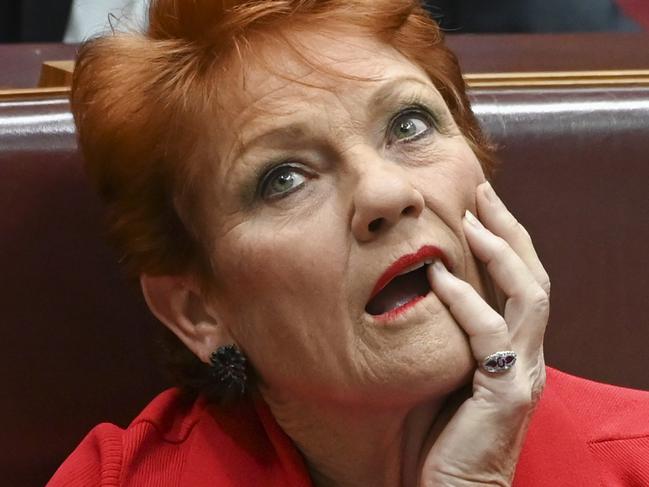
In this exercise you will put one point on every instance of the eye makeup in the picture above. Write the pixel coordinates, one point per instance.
(418, 97)
(415, 99)
(422, 104)
(256, 183)
(412, 111)
(283, 168)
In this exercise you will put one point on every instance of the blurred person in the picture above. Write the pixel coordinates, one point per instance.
(71, 21)
(33, 20)
(91, 17)
(638, 10)
(76, 20)
(529, 16)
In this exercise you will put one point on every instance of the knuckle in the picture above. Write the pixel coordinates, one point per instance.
(495, 325)
(461, 290)
(532, 385)
(510, 222)
(540, 302)
(538, 385)
(500, 248)
(520, 395)
(524, 232)
(545, 283)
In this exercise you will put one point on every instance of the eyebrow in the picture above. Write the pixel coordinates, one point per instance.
(290, 132)
(297, 131)
(387, 91)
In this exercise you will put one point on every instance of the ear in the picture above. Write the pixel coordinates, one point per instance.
(177, 302)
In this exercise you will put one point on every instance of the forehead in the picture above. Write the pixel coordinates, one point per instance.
(309, 72)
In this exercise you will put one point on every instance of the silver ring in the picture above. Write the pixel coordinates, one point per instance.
(498, 362)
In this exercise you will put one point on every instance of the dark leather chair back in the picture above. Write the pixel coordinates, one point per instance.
(77, 343)
(575, 165)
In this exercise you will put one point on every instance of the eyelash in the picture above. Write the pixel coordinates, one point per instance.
(275, 171)
(277, 168)
(413, 109)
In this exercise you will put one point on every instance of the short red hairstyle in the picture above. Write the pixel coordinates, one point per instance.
(135, 96)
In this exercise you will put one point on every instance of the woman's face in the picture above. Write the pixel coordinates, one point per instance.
(322, 182)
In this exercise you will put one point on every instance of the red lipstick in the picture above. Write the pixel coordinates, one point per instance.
(427, 252)
(393, 313)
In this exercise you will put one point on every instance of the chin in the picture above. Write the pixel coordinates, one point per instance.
(419, 360)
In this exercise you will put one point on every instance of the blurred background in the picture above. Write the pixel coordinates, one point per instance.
(539, 16)
(560, 86)
(73, 20)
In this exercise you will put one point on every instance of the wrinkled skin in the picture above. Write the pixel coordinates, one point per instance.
(378, 168)
(295, 273)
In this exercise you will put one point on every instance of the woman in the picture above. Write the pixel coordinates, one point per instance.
(295, 183)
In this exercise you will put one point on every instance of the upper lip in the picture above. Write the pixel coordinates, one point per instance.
(408, 263)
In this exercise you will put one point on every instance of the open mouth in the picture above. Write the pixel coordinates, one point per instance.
(401, 292)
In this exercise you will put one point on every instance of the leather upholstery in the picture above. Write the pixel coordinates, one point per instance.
(478, 54)
(76, 341)
(561, 52)
(76, 346)
(574, 170)
(20, 64)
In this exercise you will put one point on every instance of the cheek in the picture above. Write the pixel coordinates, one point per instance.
(448, 183)
(271, 271)
(281, 293)
(449, 188)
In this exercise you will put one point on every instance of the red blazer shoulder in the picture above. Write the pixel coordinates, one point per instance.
(176, 442)
(584, 433)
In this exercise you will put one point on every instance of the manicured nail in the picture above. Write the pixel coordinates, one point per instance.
(490, 194)
(438, 266)
(470, 217)
(438, 270)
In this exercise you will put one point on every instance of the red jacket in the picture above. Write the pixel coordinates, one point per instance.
(583, 434)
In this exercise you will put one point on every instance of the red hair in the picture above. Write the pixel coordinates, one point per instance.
(136, 98)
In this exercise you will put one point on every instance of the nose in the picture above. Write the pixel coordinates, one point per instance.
(384, 196)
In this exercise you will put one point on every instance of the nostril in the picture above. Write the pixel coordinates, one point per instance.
(409, 210)
(375, 225)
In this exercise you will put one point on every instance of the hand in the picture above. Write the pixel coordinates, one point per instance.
(481, 443)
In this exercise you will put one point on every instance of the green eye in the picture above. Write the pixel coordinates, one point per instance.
(408, 127)
(281, 181)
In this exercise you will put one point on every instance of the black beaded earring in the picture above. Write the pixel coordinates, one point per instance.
(228, 366)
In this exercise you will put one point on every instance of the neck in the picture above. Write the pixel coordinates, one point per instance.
(347, 446)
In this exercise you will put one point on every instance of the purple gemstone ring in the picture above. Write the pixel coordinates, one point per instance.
(498, 362)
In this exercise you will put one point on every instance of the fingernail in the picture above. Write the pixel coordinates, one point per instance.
(470, 217)
(490, 194)
(438, 271)
(438, 266)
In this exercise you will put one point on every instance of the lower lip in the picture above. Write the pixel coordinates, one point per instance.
(393, 313)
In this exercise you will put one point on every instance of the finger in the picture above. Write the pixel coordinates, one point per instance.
(504, 265)
(481, 443)
(527, 303)
(497, 218)
(486, 329)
